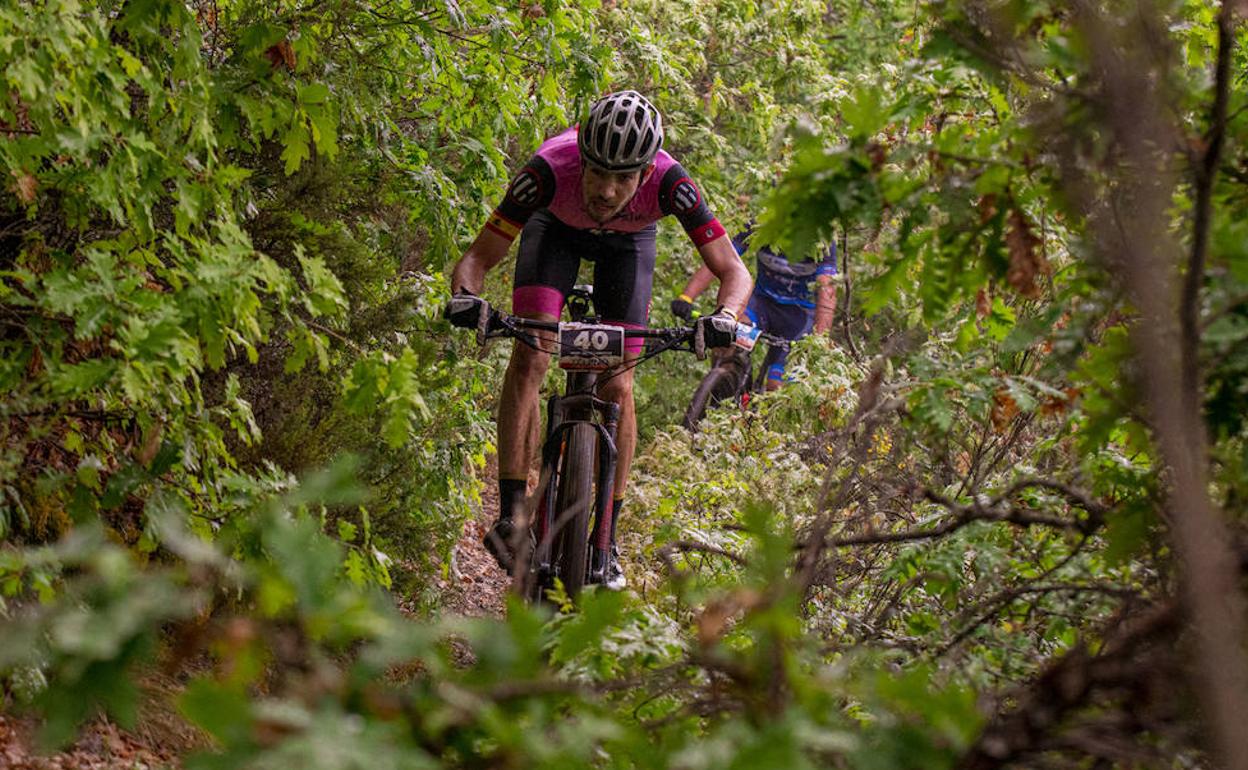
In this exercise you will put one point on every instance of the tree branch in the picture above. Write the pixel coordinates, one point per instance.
(1004, 599)
(1067, 684)
(1144, 256)
(687, 546)
(963, 515)
(1205, 173)
(1072, 494)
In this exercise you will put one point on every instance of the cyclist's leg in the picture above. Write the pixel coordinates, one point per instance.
(545, 271)
(623, 276)
(790, 322)
(519, 413)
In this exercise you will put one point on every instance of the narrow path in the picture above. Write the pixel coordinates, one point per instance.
(476, 587)
(101, 746)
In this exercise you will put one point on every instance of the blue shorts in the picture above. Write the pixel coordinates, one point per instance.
(790, 322)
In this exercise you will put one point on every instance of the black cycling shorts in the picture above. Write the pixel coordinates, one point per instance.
(550, 258)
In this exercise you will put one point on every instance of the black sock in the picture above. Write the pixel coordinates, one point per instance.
(511, 494)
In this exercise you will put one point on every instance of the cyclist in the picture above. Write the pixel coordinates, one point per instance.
(784, 302)
(595, 190)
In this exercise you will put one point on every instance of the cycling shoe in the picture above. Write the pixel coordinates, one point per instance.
(605, 569)
(501, 542)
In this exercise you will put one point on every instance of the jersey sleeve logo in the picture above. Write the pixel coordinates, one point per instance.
(526, 188)
(685, 197)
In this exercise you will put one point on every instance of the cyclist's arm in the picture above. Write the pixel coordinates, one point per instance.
(678, 195)
(825, 303)
(485, 252)
(825, 290)
(698, 282)
(703, 276)
(735, 283)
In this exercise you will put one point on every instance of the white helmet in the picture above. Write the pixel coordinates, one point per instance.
(622, 133)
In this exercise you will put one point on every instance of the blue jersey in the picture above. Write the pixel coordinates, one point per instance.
(785, 282)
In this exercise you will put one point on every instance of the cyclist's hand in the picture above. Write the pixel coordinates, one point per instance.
(682, 309)
(467, 311)
(713, 331)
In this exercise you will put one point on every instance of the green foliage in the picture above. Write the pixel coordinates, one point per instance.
(87, 643)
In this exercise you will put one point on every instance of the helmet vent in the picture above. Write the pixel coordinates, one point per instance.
(623, 132)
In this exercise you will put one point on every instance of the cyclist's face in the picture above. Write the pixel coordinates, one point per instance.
(607, 192)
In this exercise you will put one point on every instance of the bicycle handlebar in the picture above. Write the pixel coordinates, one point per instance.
(473, 312)
(773, 340)
(658, 340)
(501, 324)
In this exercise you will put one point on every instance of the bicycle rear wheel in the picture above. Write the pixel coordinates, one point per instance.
(572, 509)
(719, 384)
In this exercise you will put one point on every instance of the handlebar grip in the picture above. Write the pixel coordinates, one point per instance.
(466, 311)
(714, 331)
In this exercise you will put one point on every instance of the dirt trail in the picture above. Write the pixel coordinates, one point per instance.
(101, 746)
(476, 586)
(158, 743)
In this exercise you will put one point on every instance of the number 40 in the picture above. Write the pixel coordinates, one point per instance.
(598, 340)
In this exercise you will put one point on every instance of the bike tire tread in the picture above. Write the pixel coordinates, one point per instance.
(719, 385)
(576, 490)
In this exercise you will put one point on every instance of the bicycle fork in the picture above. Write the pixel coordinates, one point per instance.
(564, 413)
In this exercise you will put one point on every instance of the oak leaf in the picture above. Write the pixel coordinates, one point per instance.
(713, 621)
(281, 55)
(1004, 409)
(1027, 262)
(151, 445)
(983, 303)
(25, 186)
(207, 17)
(987, 206)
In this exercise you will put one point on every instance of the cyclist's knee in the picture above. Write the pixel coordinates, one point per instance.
(528, 364)
(617, 388)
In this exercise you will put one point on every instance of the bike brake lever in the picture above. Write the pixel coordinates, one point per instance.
(675, 342)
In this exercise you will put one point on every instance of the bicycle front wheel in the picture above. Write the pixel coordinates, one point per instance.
(572, 509)
(719, 384)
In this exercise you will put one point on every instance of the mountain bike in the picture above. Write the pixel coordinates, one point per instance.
(578, 453)
(731, 378)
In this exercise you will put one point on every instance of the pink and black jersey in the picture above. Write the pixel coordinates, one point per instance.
(551, 180)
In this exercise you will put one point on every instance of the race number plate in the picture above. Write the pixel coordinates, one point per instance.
(591, 347)
(747, 336)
